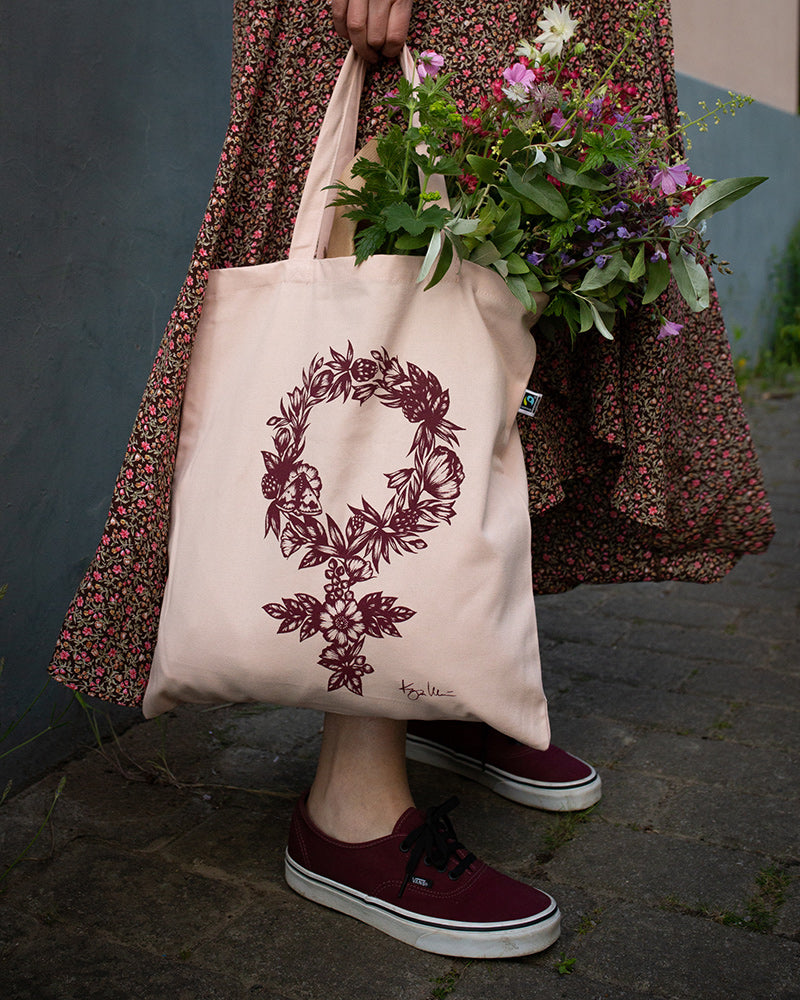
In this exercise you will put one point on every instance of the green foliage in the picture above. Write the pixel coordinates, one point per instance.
(550, 183)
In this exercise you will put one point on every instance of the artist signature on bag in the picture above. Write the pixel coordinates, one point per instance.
(429, 691)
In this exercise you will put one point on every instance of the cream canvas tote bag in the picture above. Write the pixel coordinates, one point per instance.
(350, 525)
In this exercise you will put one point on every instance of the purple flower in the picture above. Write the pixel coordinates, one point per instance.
(669, 329)
(601, 260)
(658, 255)
(429, 64)
(669, 179)
(557, 120)
(595, 225)
(566, 260)
(535, 258)
(519, 74)
(623, 233)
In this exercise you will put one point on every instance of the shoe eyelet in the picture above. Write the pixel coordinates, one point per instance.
(404, 848)
(452, 877)
(428, 863)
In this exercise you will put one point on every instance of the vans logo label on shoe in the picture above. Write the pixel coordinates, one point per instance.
(424, 882)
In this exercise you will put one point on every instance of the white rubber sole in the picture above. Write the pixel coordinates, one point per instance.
(551, 796)
(510, 939)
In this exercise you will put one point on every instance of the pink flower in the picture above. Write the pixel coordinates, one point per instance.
(429, 64)
(519, 73)
(669, 179)
(669, 329)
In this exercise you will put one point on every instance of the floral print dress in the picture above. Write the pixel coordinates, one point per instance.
(640, 462)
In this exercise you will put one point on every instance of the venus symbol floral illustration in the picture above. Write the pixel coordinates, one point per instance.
(423, 495)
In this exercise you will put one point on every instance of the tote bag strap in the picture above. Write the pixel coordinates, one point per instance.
(334, 150)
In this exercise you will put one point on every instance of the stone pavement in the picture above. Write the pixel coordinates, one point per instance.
(159, 873)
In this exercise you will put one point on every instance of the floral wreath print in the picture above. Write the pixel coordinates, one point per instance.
(423, 496)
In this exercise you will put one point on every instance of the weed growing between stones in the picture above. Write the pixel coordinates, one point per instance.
(444, 985)
(760, 912)
(564, 830)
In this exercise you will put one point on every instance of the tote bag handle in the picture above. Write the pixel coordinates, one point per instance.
(334, 150)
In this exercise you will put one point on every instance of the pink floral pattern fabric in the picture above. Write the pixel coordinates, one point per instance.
(640, 460)
(424, 497)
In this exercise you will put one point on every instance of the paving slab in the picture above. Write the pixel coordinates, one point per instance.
(649, 867)
(668, 955)
(762, 823)
(722, 762)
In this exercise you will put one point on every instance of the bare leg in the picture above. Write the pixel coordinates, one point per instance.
(361, 786)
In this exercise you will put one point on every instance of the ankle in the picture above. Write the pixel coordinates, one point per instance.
(356, 815)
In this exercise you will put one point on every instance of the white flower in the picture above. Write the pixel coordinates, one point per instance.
(557, 28)
(531, 53)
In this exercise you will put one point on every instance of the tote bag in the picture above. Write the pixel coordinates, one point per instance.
(349, 527)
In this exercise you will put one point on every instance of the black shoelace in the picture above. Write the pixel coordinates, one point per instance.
(436, 840)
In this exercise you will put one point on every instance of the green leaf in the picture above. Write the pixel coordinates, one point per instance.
(400, 215)
(462, 227)
(518, 288)
(516, 265)
(485, 254)
(508, 220)
(658, 277)
(433, 252)
(566, 169)
(408, 242)
(720, 195)
(638, 267)
(501, 267)
(443, 264)
(368, 242)
(587, 319)
(603, 316)
(541, 192)
(691, 279)
(483, 168)
(532, 282)
(599, 277)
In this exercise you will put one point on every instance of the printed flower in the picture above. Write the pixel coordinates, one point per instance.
(557, 28)
(347, 666)
(669, 179)
(429, 64)
(669, 329)
(443, 474)
(341, 621)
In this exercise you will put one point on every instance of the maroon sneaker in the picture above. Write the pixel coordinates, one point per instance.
(549, 779)
(421, 886)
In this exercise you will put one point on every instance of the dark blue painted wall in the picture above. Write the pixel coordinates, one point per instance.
(113, 115)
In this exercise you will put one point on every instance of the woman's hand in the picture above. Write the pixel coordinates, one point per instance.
(374, 28)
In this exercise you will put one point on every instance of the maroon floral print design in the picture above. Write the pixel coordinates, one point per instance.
(424, 496)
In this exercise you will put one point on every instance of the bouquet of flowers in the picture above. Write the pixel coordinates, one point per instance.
(557, 179)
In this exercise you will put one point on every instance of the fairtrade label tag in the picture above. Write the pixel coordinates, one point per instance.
(530, 403)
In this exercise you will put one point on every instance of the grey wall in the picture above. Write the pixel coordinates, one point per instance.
(751, 234)
(113, 115)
